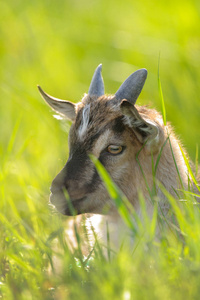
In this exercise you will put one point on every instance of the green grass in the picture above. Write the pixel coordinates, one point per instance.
(58, 44)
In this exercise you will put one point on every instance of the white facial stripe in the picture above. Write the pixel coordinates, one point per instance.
(102, 142)
(84, 122)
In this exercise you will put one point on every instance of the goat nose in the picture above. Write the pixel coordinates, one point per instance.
(56, 185)
(54, 188)
(59, 182)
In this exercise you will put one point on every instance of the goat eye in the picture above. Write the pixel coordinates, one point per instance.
(114, 149)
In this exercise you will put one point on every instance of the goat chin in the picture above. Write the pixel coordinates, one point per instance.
(109, 231)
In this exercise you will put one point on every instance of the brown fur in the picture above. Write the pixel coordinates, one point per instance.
(128, 140)
(86, 191)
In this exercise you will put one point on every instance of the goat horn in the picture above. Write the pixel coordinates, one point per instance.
(97, 85)
(132, 86)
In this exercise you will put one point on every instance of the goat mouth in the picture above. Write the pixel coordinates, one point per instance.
(66, 207)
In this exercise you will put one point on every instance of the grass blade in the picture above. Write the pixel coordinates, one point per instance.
(161, 94)
(197, 160)
(120, 200)
(189, 168)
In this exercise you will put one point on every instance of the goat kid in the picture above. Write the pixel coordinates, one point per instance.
(114, 129)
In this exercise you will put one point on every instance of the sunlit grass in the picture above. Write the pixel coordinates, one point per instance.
(58, 45)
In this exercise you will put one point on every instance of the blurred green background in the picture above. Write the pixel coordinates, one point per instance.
(58, 44)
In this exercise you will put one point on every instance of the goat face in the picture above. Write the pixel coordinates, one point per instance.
(113, 130)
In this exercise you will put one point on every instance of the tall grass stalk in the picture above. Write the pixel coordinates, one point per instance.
(161, 95)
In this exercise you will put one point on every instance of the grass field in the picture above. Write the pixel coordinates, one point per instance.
(58, 44)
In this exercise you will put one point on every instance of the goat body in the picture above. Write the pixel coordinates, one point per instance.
(115, 130)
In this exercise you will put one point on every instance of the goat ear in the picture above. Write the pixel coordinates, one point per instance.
(145, 130)
(63, 107)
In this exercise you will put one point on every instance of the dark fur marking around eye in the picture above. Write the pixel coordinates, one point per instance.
(118, 125)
